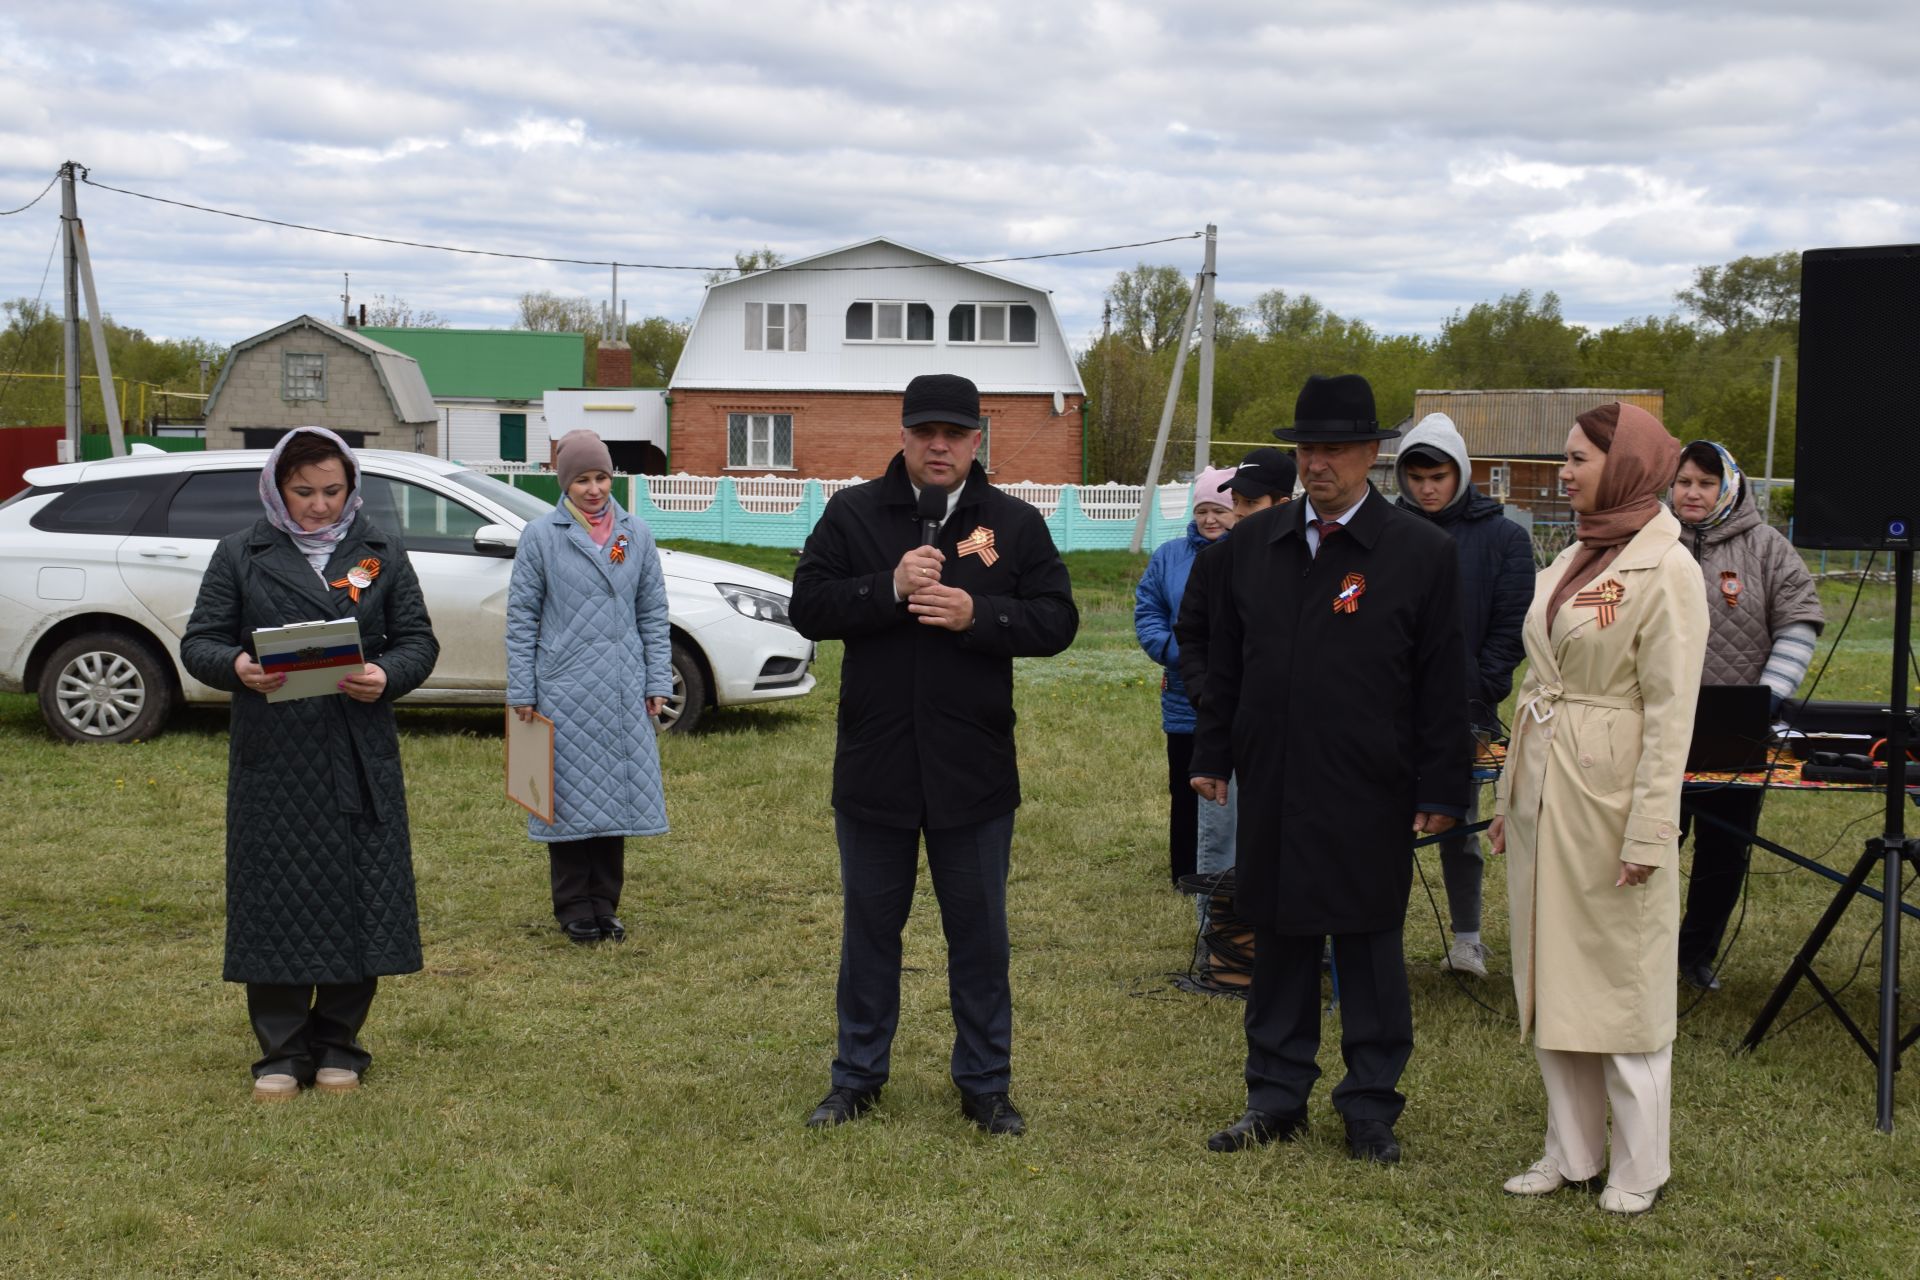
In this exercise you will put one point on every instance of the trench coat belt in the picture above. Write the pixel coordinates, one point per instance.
(1543, 702)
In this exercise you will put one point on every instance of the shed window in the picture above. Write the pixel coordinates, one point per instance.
(889, 322)
(303, 376)
(998, 323)
(763, 440)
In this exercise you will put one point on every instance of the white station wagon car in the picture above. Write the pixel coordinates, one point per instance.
(100, 563)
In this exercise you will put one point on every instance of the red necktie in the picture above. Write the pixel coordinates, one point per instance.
(1326, 529)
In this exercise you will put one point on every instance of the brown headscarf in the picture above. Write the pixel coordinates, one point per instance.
(1641, 460)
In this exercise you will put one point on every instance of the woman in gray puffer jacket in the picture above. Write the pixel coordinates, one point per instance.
(1764, 614)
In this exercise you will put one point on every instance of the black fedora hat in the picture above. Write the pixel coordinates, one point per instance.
(941, 397)
(1336, 410)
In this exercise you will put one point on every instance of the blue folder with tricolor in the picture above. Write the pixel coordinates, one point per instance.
(314, 656)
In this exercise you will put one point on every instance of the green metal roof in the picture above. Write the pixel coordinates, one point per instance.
(497, 364)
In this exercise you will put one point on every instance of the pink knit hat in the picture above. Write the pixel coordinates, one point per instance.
(1210, 486)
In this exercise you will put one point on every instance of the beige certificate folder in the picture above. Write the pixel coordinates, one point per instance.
(530, 764)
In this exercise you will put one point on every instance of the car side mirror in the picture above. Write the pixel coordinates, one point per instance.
(500, 540)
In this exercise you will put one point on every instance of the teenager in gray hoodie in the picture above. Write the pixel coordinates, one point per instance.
(1496, 587)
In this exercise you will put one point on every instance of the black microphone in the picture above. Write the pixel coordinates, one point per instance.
(933, 510)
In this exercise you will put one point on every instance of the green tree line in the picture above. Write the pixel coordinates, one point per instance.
(1712, 357)
(30, 343)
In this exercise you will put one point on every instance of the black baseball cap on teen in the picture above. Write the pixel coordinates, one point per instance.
(1264, 471)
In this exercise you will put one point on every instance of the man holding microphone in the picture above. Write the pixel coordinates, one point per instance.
(935, 581)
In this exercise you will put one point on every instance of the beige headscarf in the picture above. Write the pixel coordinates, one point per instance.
(1641, 460)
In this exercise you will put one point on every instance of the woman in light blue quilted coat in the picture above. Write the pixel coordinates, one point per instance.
(587, 647)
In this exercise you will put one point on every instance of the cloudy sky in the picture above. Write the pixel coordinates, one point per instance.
(1396, 160)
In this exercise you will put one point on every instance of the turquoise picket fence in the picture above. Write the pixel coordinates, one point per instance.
(771, 511)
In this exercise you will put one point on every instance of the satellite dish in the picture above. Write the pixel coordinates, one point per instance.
(1059, 404)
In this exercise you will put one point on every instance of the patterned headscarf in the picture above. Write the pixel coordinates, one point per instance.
(315, 544)
(1733, 482)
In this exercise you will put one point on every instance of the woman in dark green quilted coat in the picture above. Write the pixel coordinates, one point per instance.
(320, 900)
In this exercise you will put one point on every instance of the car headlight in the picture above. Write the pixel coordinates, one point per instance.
(765, 606)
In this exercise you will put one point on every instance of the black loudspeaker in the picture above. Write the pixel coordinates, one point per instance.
(1856, 458)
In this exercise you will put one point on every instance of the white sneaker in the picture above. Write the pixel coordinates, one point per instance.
(1468, 957)
(1542, 1179)
(336, 1080)
(275, 1088)
(1614, 1200)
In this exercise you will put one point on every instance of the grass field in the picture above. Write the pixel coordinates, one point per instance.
(537, 1109)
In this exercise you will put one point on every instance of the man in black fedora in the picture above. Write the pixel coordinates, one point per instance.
(1335, 693)
(935, 580)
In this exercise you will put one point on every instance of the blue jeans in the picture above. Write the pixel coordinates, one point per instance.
(1218, 825)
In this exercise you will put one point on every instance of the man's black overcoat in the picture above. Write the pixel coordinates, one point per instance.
(926, 715)
(1338, 724)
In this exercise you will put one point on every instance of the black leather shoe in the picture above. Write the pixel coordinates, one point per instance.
(581, 932)
(1372, 1140)
(841, 1105)
(1700, 974)
(1257, 1129)
(992, 1113)
(611, 929)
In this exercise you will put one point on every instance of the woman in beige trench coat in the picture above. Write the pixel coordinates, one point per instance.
(1588, 811)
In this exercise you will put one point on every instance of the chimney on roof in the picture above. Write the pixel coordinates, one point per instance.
(363, 315)
(613, 364)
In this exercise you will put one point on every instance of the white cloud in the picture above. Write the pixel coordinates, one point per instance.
(1398, 160)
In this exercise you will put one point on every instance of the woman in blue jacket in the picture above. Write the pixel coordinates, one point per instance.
(588, 647)
(1156, 603)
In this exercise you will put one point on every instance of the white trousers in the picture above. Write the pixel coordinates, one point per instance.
(1640, 1088)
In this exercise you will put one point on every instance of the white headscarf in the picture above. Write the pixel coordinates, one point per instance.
(315, 544)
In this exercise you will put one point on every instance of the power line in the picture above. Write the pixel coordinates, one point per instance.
(603, 262)
(8, 213)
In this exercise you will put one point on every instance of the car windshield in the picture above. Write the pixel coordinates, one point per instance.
(523, 504)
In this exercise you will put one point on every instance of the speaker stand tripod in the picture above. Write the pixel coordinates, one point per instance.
(1890, 850)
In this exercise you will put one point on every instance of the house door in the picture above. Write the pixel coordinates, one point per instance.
(513, 437)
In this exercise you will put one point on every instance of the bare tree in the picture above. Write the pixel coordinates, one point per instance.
(548, 312)
(761, 259)
(397, 313)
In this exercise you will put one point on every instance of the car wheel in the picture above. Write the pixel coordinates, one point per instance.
(689, 698)
(105, 687)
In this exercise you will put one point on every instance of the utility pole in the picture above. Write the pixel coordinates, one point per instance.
(1203, 411)
(97, 320)
(70, 344)
(1150, 491)
(346, 299)
(1773, 416)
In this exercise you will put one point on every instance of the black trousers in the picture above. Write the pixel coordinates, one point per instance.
(1719, 867)
(878, 866)
(587, 875)
(1283, 1023)
(303, 1027)
(1183, 809)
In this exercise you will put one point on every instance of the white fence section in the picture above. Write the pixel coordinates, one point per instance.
(769, 495)
(683, 492)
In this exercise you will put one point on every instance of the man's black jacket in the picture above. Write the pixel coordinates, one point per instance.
(926, 715)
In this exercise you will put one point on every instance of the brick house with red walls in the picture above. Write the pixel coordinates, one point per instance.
(798, 371)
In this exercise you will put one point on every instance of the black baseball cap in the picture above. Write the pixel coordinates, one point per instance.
(1264, 471)
(941, 397)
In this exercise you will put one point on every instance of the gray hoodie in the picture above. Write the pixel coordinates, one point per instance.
(1437, 432)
